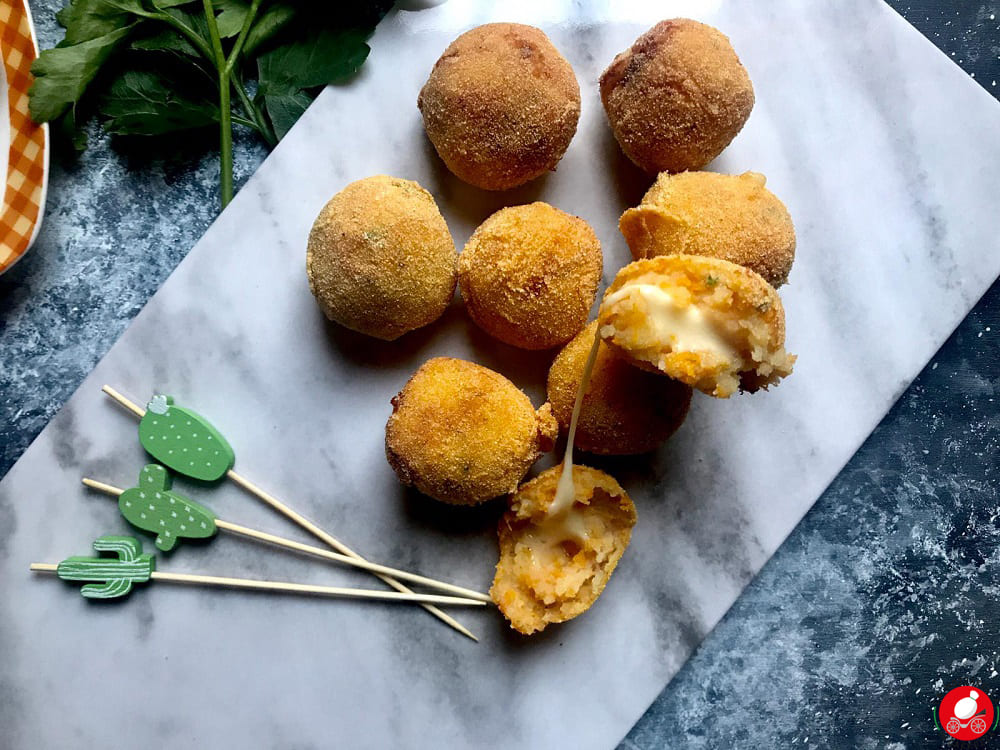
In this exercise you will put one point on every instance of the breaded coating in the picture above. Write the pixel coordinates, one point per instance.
(707, 322)
(733, 217)
(552, 569)
(677, 97)
(626, 410)
(501, 105)
(380, 258)
(463, 434)
(529, 275)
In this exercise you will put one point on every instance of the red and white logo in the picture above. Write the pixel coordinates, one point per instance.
(966, 713)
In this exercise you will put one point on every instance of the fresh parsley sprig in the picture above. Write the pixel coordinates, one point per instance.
(166, 67)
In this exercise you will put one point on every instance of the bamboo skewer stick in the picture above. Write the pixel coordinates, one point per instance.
(292, 588)
(128, 403)
(302, 521)
(318, 551)
(319, 533)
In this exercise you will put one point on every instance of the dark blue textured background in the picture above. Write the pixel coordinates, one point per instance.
(882, 599)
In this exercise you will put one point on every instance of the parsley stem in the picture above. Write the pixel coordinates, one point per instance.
(233, 72)
(234, 53)
(225, 109)
(186, 31)
(246, 123)
(260, 122)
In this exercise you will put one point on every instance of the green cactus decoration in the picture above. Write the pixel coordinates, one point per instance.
(112, 577)
(153, 507)
(184, 441)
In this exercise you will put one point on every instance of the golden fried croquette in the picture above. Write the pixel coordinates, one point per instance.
(733, 217)
(501, 105)
(677, 97)
(625, 410)
(553, 567)
(463, 434)
(529, 275)
(380, 259)
(712, 324)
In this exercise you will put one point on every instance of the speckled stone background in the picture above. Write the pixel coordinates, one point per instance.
(882, 599)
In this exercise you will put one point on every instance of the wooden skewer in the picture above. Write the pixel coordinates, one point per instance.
(128, 403)
(302, 521)
(318, 551)
(295, 588)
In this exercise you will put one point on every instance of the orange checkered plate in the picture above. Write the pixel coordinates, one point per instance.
(26, 168)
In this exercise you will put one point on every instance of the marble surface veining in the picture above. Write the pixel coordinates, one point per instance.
(597, 672)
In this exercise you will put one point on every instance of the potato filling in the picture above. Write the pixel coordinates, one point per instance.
(560, 555)
(697, 332)
(553, 566)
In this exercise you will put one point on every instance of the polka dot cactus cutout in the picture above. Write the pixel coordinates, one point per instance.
(184, 441)
(154, 508)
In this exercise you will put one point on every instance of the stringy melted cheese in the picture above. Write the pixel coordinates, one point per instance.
(561, 524)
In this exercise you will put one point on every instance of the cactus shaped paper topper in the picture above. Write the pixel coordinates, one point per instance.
(153, 507)
(111, 577)
(184, 441)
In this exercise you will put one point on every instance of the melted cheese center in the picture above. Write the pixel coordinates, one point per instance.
(682, 327)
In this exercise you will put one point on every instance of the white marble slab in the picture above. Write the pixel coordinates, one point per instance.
(886, 156)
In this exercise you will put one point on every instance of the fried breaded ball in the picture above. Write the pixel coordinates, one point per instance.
(625, 410)
(501, 105)
(712, 324)
(552, 568)
(529, 275)
(733, 217)
(677, 97)
(380, 259)
(463, 434)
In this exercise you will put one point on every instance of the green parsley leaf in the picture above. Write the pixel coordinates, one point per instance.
(166, 41)
(320, 58)
(230, 20)
(287, 71)
(141, 102)
(106, 64)
(267, 26)
(163, 4)
(89, 19)
(66, 133)
(284, 108)
(193, 20)
(62, 74)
